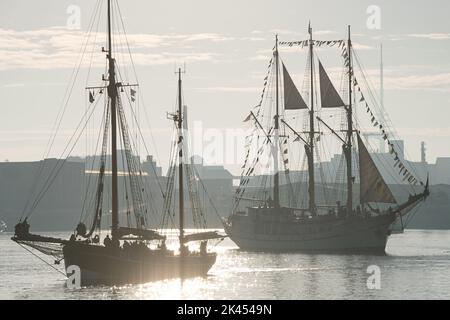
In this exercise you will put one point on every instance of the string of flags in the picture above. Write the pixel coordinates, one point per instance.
(249, 138)
(247, 172)
(316, 43)
(266, 80)
(403, 172)
(92, 95)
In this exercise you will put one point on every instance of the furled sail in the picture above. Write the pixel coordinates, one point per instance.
(141, 233)
(292, 98)
(373, 188)
(201, 236)
(330, 98)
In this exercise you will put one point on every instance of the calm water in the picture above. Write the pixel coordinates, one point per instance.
(417, 266)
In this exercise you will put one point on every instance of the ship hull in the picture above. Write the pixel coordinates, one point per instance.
(274, 232)
(112, 266)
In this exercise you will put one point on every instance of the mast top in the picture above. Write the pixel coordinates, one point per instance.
(276, 45)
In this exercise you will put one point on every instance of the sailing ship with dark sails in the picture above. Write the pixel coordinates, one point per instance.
(133, 251)
(260, 220)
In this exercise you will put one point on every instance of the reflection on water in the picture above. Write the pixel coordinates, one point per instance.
(417, 266)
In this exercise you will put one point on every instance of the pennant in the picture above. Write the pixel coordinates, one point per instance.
(91, 97)
(248, 118)
(133, 94)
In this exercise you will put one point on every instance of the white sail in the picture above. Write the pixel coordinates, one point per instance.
(292, 97)
(329, 97)
(373, 188)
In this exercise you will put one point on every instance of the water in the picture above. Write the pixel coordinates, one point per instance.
(417, 266)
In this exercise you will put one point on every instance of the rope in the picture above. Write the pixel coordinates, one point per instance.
(42, 259)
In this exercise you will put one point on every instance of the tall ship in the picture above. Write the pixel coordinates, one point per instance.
(273, 211)
(137, 247)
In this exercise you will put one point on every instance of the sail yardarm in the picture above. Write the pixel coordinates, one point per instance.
(329, 96)
(373, 188)
(292, 97)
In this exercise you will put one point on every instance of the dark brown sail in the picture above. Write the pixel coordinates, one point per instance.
(373, 188)
(292, 98)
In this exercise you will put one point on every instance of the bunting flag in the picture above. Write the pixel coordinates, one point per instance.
(133, 94)
(248, 118)
(292, 97)
(316, 43)
(330, 98)
(404, 173)
(258, 106)
(91, 97)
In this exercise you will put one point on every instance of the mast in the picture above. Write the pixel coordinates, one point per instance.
(112, 93)
(180, 162)
(276, 182)
(348, 146)
(311, 187)
(381, 78)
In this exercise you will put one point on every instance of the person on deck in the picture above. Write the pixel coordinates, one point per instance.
(107, 241)
(203, 248)
(22, 229)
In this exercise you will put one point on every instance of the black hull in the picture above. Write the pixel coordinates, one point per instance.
(109, 266)
(277, 230)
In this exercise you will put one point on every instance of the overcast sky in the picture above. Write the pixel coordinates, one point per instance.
(226, 46)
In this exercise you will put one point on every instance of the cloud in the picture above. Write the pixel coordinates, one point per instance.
(324, 32)
(58, 47)
(283, 32)
(409, 36)
(422, 132)
(360, 46)
(411, 77)
(231, 89)
(431, 36)
(433, 82)
(260, 57)
(13, 85)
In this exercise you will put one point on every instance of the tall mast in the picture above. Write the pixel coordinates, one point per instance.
(348, 147)
(382, 149)
(276, 187)
(112, 93)
(311, 187)
(180, 162)
(381, 78)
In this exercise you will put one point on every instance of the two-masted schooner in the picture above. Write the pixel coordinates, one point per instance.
(133, 251)
(260, 220)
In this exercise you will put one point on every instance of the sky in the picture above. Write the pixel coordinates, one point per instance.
(225, 46)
